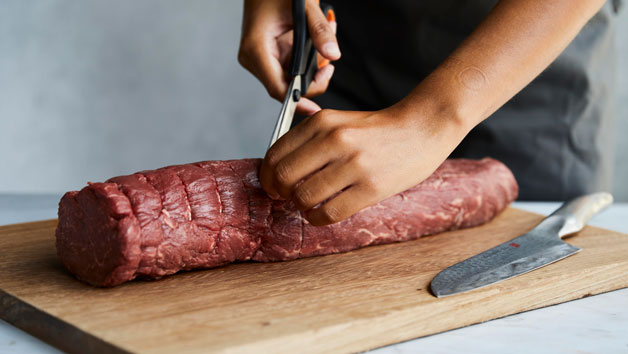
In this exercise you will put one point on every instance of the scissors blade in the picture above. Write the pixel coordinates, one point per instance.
(286, 115)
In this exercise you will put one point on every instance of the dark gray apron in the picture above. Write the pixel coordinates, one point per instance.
(555, 135)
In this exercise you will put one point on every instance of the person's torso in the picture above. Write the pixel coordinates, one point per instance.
(555, 134)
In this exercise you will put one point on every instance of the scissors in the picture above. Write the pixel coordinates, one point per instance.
(305, 62)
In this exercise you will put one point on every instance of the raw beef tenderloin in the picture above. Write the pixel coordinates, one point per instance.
(206, 214)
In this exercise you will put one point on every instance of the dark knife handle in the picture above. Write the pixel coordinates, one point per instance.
(577, 212)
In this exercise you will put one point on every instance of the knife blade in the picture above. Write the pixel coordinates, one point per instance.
(541, 246)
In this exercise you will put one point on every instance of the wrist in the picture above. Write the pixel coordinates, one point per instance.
(455, 93)
(435, 113)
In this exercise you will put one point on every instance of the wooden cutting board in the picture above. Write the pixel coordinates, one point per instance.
(340, 303)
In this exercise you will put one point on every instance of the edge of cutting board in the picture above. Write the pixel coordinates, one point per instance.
(50, 329)
(402, 321)
(43, 325)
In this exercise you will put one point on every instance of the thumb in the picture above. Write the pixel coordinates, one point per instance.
(322, 33)
(307, 107)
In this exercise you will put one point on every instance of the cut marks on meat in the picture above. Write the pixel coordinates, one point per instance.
(146, 205)
(200, 189)
(258, 206)
(285, 238)
(234, 241)
(215, 212)
(202, 196)
(182, 235)
(260, 216)
(250, 242)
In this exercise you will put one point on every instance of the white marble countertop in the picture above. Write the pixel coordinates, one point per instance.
(596, 324)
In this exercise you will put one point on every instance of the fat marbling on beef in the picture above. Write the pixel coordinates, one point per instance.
(206, 214)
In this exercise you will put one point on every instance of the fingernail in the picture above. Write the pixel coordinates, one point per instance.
(331, 50)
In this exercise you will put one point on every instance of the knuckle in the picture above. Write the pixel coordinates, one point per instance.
(242, 56)
(283, 173)
(371, 183)
(314, 91)
(320, 28)
(272, 157)
(322, 119)
(303, 197)
(341, 136)
(331, 214)
(244, 53)
(360, 162)
(324, 86)
(273, 88)
(264, 184)
(274, 91)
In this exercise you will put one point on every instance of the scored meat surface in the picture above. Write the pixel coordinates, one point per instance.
(207, 214)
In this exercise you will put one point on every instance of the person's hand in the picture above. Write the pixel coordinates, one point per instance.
(266, 47)
(350, 160)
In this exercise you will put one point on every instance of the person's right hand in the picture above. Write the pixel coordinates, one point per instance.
(266, 47)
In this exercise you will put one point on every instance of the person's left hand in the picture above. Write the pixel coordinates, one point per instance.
(350, 160)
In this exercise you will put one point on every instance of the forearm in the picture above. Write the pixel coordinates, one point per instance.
(514, 44)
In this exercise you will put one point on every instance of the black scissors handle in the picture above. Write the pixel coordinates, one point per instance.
(305, 63)
(300, 34)
(304, 55)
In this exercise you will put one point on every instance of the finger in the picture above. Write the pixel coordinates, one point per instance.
(322, 185)
(334, 26)
(296, 137)
(347, 203)
(321, 32)
(307, 107)
(321, 61)
(300, 163)
(262, 62)
(321, 81)
(272, 76)
(284, 44)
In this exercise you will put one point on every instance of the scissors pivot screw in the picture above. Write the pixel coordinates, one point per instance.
(296, 94)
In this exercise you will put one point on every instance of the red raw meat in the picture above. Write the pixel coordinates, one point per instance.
(202, 215)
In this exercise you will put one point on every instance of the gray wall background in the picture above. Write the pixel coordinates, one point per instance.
(93, 89)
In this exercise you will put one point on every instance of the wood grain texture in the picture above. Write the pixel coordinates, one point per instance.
(339, 303)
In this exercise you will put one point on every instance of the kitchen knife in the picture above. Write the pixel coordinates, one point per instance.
(539, 247)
